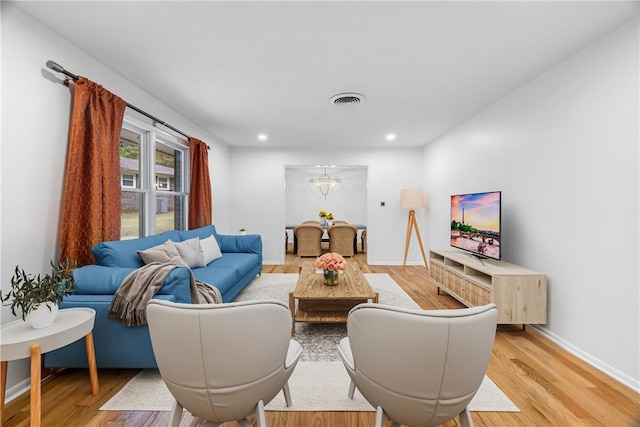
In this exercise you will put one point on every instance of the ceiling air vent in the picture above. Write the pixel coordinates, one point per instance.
(347, 99)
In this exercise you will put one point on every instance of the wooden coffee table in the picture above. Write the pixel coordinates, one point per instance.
(313, 302)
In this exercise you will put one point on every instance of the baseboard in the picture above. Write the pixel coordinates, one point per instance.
(418, 263)
(17, 390)
(614, 373)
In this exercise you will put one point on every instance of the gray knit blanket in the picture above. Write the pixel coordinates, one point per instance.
(129, 303)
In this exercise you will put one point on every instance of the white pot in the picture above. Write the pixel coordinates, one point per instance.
(42, 316)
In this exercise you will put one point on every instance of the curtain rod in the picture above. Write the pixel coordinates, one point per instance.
(60, 69)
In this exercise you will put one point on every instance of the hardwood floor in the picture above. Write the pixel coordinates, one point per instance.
(550, 386)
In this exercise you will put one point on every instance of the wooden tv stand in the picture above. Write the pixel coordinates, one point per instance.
(520, 294)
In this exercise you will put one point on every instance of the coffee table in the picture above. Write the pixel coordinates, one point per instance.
(313, 302)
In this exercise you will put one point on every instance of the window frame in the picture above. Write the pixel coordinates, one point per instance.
(123, 178)
(163, 183)
(149, 139)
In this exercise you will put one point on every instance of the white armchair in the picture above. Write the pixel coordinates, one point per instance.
(418, 367)
(223, 362)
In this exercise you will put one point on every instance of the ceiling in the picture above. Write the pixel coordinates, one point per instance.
(240, 69)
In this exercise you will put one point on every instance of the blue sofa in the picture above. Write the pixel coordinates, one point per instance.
(121, 346)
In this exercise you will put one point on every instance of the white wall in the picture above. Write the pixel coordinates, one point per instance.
(258, 196)
(349, 203)
(35, 120)
(564, 151)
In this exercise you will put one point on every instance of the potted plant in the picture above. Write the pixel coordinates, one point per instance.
(38, 297)
(242, 231)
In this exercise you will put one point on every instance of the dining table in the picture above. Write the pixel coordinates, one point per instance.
(325, 227)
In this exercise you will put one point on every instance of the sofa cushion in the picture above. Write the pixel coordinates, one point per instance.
(223, 278)
(202, 233)
(124, 253)
(210, 249)
(243, 263)
(250, 243)
(166, 252)
(191, 252)
(99, 280)
(84, 300)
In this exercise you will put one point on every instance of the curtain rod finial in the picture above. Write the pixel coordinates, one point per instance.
(55, 66)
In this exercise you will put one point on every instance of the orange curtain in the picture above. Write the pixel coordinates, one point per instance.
(200, 192)
(91, 199)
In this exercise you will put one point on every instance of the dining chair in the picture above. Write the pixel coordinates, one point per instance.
(308, 239)
(342, 239)
(363, 240)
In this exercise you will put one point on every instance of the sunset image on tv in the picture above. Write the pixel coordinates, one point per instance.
(475, 223)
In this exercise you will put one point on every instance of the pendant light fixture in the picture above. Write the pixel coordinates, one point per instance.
(325, 184)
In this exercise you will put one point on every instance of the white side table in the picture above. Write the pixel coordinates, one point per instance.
(19, 341)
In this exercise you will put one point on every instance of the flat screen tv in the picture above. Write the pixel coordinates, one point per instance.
(475, 223)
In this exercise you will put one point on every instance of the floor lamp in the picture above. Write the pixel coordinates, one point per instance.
(412, 199)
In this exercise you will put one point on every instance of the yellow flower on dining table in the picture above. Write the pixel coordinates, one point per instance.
(330, 216)
(322, 214)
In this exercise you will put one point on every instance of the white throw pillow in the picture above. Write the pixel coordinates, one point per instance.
(211, 249)
(191, 252)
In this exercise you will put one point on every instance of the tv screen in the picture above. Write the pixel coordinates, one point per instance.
(475, 223)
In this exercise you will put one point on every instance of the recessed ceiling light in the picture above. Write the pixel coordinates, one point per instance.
(262, 137)
(391, 136)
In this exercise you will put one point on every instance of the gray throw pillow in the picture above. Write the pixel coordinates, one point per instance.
(166, 252)
(191, 252)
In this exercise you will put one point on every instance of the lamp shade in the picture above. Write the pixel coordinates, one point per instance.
(412, 198)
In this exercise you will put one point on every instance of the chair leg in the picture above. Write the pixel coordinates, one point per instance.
(379, 417)
(176, 415)
(261, 419)
(287, 394)
(465, 418)
(352, 389)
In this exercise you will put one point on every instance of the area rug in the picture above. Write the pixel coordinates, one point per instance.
(320, 381)
(319, 341)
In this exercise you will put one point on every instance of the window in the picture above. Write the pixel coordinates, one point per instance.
(128, 180)
(154, 181)
(162, 183)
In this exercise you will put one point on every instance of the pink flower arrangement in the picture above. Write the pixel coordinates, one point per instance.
(331, 261)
